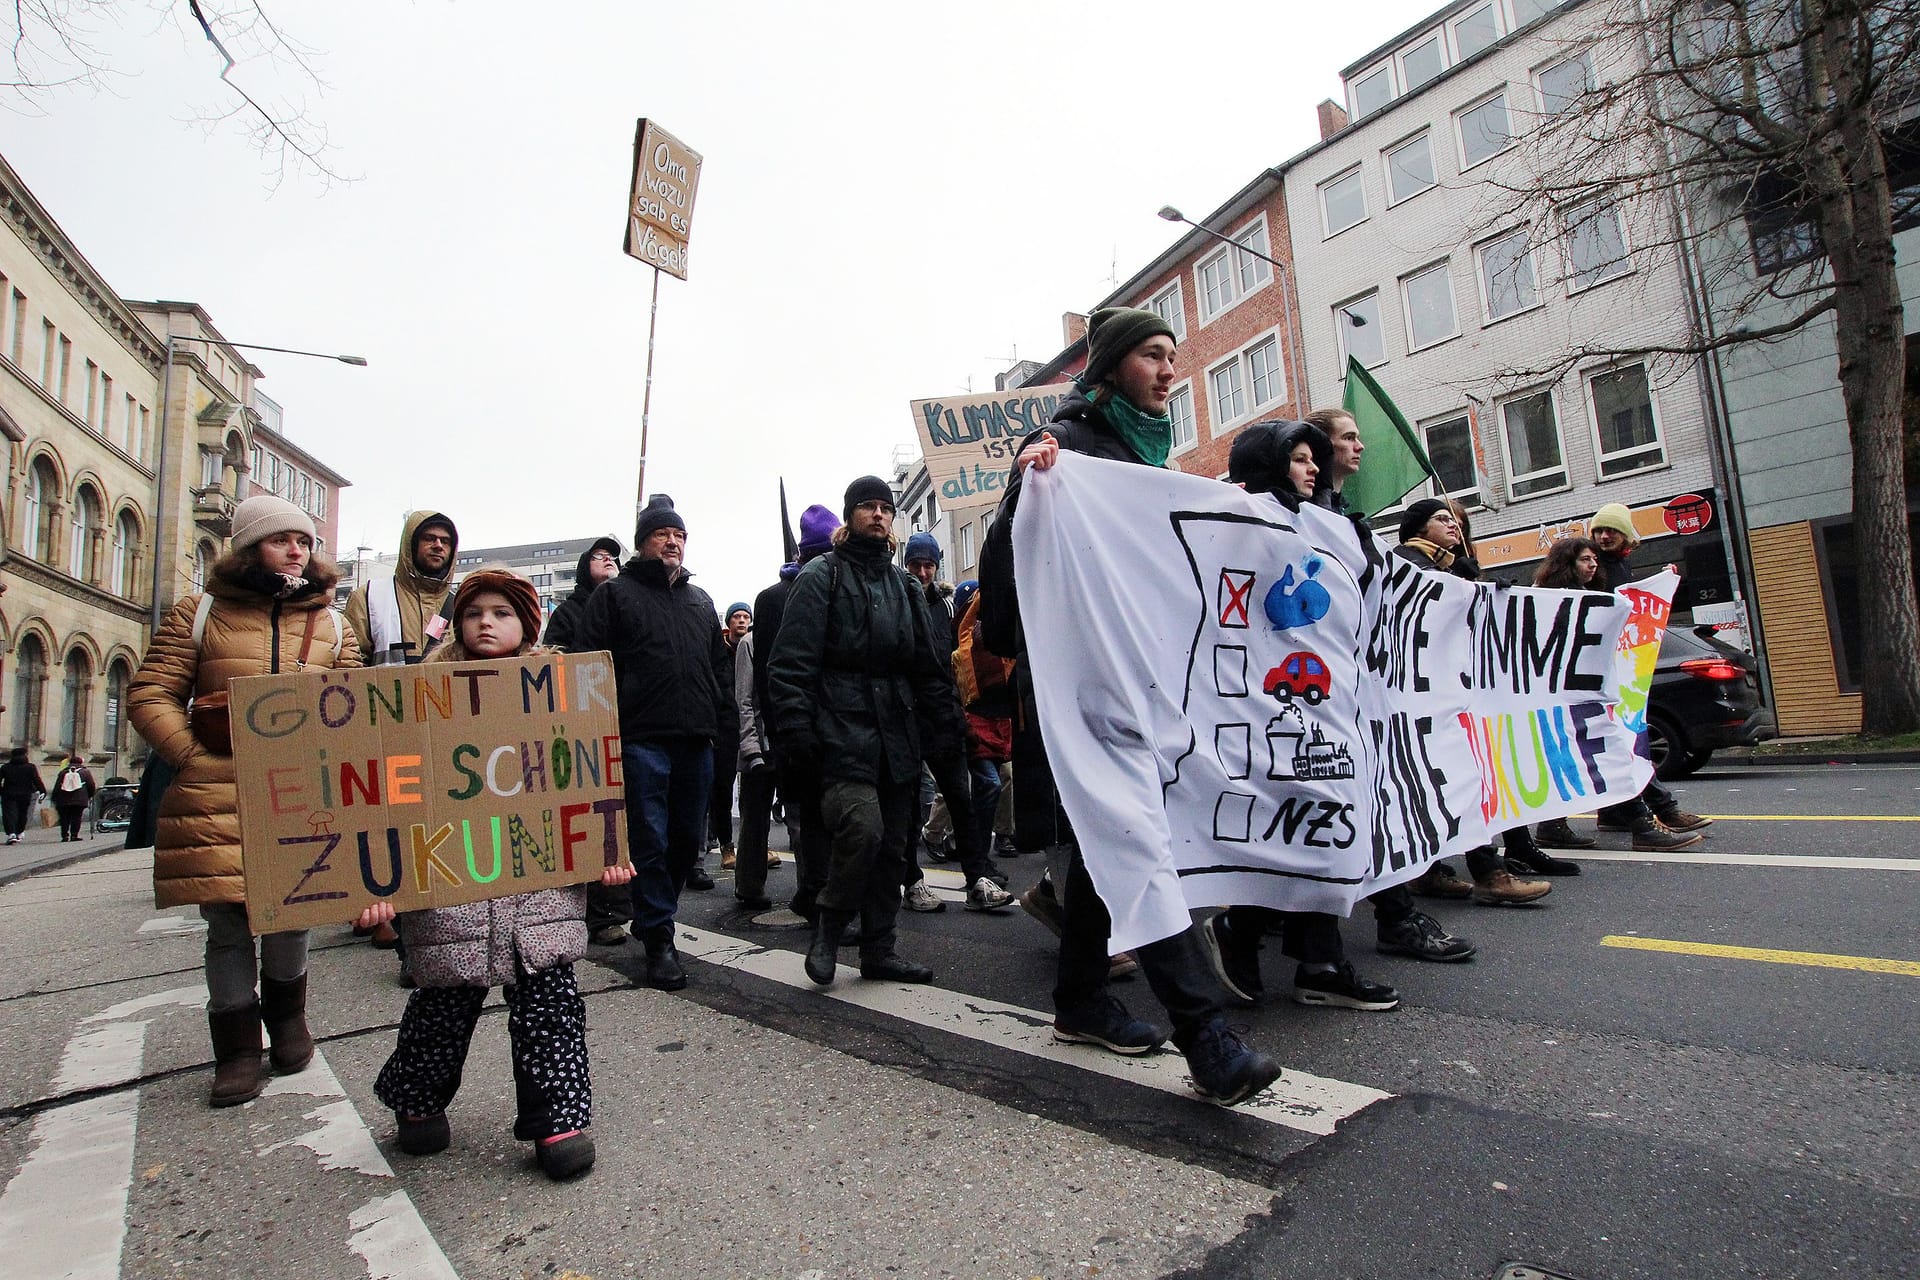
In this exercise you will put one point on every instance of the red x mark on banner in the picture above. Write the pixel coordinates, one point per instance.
(1236, 590)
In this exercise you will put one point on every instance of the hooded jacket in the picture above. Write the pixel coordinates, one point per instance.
(477, 944)
(20, 780)
(665, 641)
(420, 597)
(856, 680)
(564, 625)
(197, 850)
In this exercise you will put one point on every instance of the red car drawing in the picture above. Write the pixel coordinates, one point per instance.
(1299, 675)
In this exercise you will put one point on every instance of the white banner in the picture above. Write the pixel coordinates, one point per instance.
(1240, 707)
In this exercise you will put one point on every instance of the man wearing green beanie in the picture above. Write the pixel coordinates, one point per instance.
(1119, 412)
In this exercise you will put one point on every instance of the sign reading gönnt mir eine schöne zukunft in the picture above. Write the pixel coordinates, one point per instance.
(425, 786)
(969, 441)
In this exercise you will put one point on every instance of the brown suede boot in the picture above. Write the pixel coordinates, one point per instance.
(283, 1007)
(239, 1074)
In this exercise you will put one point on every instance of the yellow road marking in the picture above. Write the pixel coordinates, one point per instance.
(1766, 955)
(1807, 817)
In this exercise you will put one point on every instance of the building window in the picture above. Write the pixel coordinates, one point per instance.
(18, 351)
(964, 551)
(66, 369)
(49, 346)
(1231, 274)
(1410, 169)
(1485, 130)
(86, 523)
(1170, 305)
(126, 426)
(320, 501)
(139, 446)
(93, 394)
(1450, 450)
(1423, 61)
(1428, 296)
(36, 533)
(1596, 245)
(106, 401)
(203, 557)
(1362, 336)
(1247, 382)
(1343, 202)
(1506, 276)
(1180, 409)
(29, 690)
(1525, 11)
(212, 466)
(1475, 30)
(1623, 417)
(1372, 92)
(1535, 461)
(1562, 83)
(119, 676)
(126, 545)
(73, 705)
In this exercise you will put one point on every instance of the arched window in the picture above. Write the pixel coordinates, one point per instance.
(43, 488)
(85, 524)
(203, 557)
(73, 707)
(29, 689)
(119, 676)
(126, 545)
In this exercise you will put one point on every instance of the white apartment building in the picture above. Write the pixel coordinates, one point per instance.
(1403, 259)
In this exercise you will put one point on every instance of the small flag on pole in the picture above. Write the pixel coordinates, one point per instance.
(787, 544)
(1394, 463)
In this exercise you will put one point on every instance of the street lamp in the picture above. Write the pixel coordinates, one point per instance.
(166, 404)
(1294, 389)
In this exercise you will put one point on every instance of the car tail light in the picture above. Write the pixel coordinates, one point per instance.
(1713, 669)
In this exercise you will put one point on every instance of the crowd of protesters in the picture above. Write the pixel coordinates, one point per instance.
(873, 707)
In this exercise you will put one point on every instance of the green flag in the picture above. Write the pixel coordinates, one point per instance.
(1394, 464)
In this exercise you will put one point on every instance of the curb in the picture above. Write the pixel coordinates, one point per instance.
(1772, 760)
(55, 864)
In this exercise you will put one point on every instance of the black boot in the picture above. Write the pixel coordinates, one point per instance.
(1524, 852)
(1559, 835)
(663, 962)
(823, 953)
(283, 1008)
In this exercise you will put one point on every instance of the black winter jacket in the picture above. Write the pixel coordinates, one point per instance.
(665, 641)
(855, 680)
(20, 780)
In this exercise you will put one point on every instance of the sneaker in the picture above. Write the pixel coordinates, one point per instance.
(1613, 824)
(940, 850)
(1421, 937)
(985, 895)
(996, 875)
(1122, 965)
(1105, 1021)
(920, 897)
(1656, 838)
(1004, 847)
(1342, 988)
(1559, 835)
(1225, 1069)
(1678, 819)
(425, 1136)
(1235, 958)
(610, 935)
(1439, 881)
(1040, 903)
(1504, 889)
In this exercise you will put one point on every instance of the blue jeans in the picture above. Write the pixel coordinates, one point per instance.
(668, 783)
(985, 777)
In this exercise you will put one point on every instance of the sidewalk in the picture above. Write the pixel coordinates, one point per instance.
(41, 848)
(1901, 749)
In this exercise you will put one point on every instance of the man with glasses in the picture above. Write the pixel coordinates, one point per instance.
(398, 618)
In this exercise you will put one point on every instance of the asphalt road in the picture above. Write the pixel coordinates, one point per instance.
(1606, 1091)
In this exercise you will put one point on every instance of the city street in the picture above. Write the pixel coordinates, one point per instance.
(1700, 1064)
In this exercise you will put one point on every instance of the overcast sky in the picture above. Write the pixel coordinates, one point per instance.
(896, 198)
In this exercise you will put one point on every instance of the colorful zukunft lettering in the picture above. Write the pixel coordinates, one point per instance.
(1246, 705)
(424, 786)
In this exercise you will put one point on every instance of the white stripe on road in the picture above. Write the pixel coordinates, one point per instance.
(1744, 859)
(1311, 1104)
(343, 1140)
(395, 1243)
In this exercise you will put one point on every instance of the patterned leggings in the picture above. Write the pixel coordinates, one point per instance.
(547, 1023)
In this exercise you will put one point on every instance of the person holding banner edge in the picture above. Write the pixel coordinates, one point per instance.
(1118, 413)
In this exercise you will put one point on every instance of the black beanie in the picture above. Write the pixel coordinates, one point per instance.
(1112, 333)
(1416, 517)
(658, 514)
(866, 489)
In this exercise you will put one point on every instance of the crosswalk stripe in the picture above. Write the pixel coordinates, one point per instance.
(1309, 1103)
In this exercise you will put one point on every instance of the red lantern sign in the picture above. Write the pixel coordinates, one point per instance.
(1688, 513)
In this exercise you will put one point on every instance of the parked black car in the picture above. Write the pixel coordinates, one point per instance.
(1705, 695)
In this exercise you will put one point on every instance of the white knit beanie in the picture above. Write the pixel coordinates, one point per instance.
(263, 515)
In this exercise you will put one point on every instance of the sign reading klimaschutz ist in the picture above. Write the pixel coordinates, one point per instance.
(969, 441)
(666, 177)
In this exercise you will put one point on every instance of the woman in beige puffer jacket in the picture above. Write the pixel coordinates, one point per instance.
(270, 615)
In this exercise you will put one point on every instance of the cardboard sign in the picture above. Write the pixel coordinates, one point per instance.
(666, 177)
(425, 786)
(969, 441)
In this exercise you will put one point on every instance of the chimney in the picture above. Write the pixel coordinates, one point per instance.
(1073, 327)
(1333, 118)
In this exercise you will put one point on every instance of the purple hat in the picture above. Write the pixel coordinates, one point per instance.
(817, 526)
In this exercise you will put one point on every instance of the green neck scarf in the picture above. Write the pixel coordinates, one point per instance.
(1149, 435)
